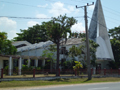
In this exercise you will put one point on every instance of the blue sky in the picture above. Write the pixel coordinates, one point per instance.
(52, 8)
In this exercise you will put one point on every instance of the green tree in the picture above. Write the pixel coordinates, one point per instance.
(6, 47)
(115, 43)
(77, 35)
(77, 66)
(49, 55)
(115, 33)
(77, 51)
(57, 29)
(73, 51)
(116, 50)
(34, 34)
(93, 48)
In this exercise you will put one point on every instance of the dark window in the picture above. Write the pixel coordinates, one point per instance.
(63, 50)
(32, 63)
(25, 62)
(21, 45)
(39, 63)
(5, 63)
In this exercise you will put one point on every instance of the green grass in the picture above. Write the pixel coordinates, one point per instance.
(6, 84)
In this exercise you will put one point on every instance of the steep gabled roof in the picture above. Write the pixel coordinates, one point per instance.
(98, 33)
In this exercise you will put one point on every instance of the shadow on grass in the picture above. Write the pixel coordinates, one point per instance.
(60, 79)
(87, 80)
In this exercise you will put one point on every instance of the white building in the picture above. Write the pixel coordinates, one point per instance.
(99, 34)
(33, 52)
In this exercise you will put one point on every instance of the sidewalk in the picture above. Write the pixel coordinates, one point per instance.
(53, 77)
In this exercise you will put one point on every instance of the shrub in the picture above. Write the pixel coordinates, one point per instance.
(77, 66)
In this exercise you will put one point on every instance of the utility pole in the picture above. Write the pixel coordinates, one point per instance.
(87, 40)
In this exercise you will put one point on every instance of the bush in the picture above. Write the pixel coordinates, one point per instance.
(68, 64)
(77, 66)
(25, 67)
(38, 68)
(6, 70)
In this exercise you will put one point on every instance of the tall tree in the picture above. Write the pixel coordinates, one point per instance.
(77, 51)
(115, 43)
(93, 49)
(115, 33)
(57, 29)
(77, 35)
(49, 54)
(33, 34)
(6, 47)
(73, 51)
(116, 52)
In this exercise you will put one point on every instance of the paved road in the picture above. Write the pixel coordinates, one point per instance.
(101, 86)
(95, 86)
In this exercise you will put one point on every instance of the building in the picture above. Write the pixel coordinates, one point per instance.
(98, 33)
(33, 52)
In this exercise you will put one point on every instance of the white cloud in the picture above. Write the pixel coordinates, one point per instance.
(91, 7)
(9, 26)
(59, 8)
(41, 16)
(42, 5)
(78, 28)
(31, 23)
(71, 8)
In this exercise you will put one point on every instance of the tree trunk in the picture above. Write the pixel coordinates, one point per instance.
(57, 66)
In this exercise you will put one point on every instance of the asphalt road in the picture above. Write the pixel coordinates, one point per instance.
(98, 86)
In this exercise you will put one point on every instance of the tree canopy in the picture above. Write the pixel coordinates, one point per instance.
(115, 33)
(57, 29)
(116, 50)
(77, 51)
(115, 43)
(34, 34)
(6, 47)
(77, 35)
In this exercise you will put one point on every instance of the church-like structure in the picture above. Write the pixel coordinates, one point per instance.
(98, 33)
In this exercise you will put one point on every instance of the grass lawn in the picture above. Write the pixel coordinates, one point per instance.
(6, 84)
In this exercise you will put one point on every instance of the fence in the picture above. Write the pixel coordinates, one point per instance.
(52, 72)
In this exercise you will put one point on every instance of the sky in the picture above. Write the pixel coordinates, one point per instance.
(38, 11)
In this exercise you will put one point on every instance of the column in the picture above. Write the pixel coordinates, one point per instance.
(43, 63)
(29, 62)
(36, 63)
(10, 66)
(1, 65)
(94, 70)
(19, 66)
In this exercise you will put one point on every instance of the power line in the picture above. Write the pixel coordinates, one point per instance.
(77, 25)
(57, 9)
(23, 17)
(81, 1)
(32, 17)
(112, 9)
(55, 1)
(19, 4)
(34, 6)
(98, 23)
(110, 18)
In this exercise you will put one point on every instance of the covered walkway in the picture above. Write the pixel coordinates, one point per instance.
(19, 58)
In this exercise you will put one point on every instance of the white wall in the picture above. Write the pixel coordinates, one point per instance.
(39, 52)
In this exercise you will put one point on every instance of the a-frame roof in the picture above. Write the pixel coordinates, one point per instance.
(98, 33)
